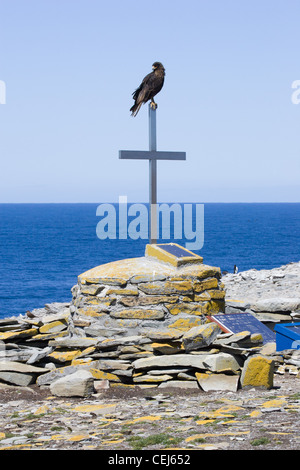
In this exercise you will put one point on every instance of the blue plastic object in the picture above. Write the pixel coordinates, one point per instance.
(287, 336)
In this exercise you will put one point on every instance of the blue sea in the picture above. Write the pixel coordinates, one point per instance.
(44, 247)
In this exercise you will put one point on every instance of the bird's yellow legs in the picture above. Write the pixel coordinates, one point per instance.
(153, 104)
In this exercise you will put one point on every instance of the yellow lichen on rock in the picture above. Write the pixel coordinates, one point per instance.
(258, 371)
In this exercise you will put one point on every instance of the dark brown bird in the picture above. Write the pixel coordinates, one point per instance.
(150, 86)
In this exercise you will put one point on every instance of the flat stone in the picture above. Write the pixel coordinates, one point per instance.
(216, 294)
(95, 311)
(99, 303)
(164, 334)
(47, 379)
(200, 286)
(100, 385)
(234, 338)
(182, 384)
(18, 334)
(148, 300)
(56, 307)
(138, 313)
(54, 327)
(64, 356)
(113, 364)
(39, 354)
(122, 271)
(189, 308)
(152, 378)
(91, 289)
(147, 278)
(258, 371)
(79, 384)
(75, 342)
(9, 321)
(186, 323)
(122, 341)
(98, 409)
(217, 382)
(17, 378)
(49, 318)
(16, 355)
(222, 362)
(277, 304)
(167, 347)
(169, 371)
(22, 368)
(267, 317)
(214, 362)
(111, 281)
(122, 291)
(167, 287)
(200, 336)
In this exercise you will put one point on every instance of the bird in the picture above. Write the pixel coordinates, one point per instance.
(150, 86)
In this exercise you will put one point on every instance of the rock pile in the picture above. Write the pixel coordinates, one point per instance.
(40, 350)
(132, 294)
(138, 323)
(272, 295)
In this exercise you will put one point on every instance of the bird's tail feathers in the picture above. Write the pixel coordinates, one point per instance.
(135, 108)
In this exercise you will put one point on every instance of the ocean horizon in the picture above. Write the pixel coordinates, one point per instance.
(45, 246)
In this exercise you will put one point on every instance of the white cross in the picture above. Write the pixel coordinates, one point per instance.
(152, 155)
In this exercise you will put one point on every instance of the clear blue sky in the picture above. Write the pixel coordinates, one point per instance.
(70, 67)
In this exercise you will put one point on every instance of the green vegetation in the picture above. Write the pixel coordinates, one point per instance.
(139, 443)
(260, 441)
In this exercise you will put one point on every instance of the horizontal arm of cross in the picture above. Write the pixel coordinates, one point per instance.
(151, 155)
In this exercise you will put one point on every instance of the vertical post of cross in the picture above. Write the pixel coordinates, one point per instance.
(152, 155)
(152, 178)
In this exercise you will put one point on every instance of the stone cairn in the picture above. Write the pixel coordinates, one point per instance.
(137, 322)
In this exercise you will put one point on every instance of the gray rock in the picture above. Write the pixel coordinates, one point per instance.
(114, 364)
(122, 341)
(147, 278)
(218, 382)
(78, 384)
(17, 373)
(148, 378)
(277, 304)
(222, 362)
(56, 307)
(179, 384)
(22, 368)
(75, 342)
(234, 338)
(200, 336)
(17, 378)
(214, 362)
(100, 385)
(55, 374)
(250, 289)
(39, 354)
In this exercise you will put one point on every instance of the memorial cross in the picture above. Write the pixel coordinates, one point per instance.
(152, 155)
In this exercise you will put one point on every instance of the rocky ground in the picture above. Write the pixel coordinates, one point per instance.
(141, 417)
(270, 294)
(147, 418)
